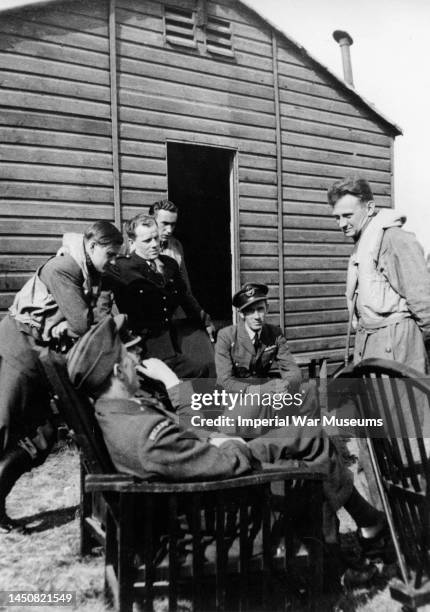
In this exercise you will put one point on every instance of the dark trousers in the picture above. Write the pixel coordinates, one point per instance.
(184, 367)
(24, 396)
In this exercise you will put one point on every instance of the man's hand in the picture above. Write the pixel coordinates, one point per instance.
(157, 370)
(59, 330)
(217, 441)
(210, 330)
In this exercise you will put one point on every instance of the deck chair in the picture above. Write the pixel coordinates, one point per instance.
(400, 396)
(129, 525)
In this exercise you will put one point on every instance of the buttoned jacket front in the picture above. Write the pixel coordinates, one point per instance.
(239, 366)
(149, 298)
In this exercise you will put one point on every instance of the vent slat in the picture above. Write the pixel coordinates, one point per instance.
(219, 29)
(175, 30)
(221, 40)
(218, 36)
(179, 26)
(180, 29)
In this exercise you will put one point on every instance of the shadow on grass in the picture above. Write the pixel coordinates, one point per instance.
(49, 519)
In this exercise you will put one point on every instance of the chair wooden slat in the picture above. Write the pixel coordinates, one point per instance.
(401, 397)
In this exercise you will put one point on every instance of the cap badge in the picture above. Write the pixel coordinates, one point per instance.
(250, 292)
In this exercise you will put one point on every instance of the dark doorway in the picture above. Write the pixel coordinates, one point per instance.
(199, 184)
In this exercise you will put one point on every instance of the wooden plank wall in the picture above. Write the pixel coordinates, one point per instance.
(325, 137)
(187, 95)
(55, 135)
(56, 144)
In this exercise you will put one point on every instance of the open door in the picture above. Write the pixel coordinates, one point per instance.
(199, 184)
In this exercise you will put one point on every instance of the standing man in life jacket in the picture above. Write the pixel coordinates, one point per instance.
(388, 284)
(388, 288)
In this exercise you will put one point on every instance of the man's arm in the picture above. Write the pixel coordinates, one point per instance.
(169, 451)
(64, 281)
(173, 452)
(189, 303)
(289, 369)
(182, 267)
(402, 262)
(224, 364)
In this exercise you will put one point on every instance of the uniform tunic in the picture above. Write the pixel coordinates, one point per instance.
(242, 370)
(173, 248)
(150, 298)
(238, 365)
(145, 440)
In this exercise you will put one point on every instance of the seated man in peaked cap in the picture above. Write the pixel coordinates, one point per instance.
(146, 440)
(245, 354)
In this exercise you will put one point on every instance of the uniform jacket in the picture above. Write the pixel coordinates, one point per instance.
(150, 299)
(238, 366)
(145, 440)
(378, 303)
(62, 289)
(173, 248)
(55, 293)
(400, 266)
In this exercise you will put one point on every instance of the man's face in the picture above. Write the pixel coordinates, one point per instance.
(255, 315)
(146, 244)
(351, 214)
(166, 222)
(102, 254)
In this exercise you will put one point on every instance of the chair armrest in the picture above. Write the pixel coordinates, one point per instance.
(122, 483)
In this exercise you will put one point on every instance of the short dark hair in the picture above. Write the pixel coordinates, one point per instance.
(140, 219)
(355, 186)
(162, 205)
(104, 232)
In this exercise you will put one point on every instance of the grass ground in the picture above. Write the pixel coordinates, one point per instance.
(47, 558)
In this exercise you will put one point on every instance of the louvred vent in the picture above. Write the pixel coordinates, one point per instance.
(218, 36)
(179, 26)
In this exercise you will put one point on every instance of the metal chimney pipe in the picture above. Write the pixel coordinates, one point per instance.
(345, 41)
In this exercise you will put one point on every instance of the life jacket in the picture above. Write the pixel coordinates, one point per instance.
(378, 304)
(35, 306)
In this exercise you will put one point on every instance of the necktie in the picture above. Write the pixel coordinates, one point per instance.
(256, 342)
(152, 265)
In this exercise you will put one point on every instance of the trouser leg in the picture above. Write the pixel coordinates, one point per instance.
(13, 464)
(366, 474)
(184, 367)
(16, 461)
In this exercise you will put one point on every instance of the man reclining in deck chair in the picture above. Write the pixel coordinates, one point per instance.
(146, 440)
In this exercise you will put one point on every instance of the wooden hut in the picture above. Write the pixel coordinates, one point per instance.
(108, 105)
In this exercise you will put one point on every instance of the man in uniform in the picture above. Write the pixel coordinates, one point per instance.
(245, 354)
(146, 440)
(388, 284)
(148, 287)
(165, 214)
(388, 287)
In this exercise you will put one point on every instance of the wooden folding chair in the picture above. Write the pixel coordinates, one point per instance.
(400, 396)
(129, 526)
